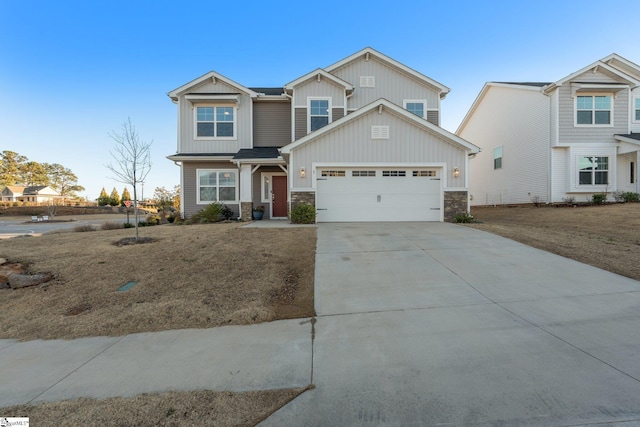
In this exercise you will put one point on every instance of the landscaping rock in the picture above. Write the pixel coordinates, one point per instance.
(26, 280)
(4, 285)
(3, 261)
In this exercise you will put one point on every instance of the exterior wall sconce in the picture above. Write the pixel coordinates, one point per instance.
(456, 172)
(303, 173)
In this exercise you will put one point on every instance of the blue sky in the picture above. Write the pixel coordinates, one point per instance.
(73, 71)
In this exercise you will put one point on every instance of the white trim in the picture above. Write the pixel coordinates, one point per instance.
(268, 201)
(416, 101)
(593, 110)
(367, 81)
(207, 202)
(314, 74)
(215, 106)
(211, 75)
(329, 110)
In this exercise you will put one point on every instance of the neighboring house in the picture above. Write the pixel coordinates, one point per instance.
(557, 141)
(35, 194)
(360, 140)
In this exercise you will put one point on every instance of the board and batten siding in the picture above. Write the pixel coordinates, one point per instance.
(560, 169)
(190, 184)
(568, 132)
(271, 124)
(391, 83)
(517, 119)
(318, 89)
(186, 136)
(352, 144)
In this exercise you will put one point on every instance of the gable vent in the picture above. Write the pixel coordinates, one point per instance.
(367, 81)
(379, 132)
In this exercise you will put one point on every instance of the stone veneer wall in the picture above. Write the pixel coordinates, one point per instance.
(246, 208)
(455, 202)
(298, 197)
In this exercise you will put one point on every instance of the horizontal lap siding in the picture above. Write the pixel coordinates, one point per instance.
(271, 124)
(434, 117)
(190, 183)
(300, 122)
(353, 143)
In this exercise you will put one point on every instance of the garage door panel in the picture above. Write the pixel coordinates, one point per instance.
(378, 198)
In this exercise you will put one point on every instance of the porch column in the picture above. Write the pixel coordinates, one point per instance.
(245, 192)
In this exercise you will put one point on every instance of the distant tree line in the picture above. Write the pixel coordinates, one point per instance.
(114, 198)
(18, 170)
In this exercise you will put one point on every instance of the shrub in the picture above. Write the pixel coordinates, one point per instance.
(111, 225)
(211, 213)
(127, 225)
(304, 213)
(142, 223)
(463, 218)
(569, 200)
(599, 198)
(171, 219)
(630, 197)
(226, 212)
(83, 228)
(153, 219)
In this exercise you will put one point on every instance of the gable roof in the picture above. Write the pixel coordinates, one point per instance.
(316, 74)
(383, 104)
(211, 75)
(14, 189)
(368, 51)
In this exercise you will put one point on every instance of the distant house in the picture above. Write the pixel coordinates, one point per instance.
(360, 140)
(35, 194)
(557, 141)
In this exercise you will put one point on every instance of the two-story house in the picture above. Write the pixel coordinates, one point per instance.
(557, 141)
(360, 140)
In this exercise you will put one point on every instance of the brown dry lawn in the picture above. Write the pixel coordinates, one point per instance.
(606, 236)
(196, 276)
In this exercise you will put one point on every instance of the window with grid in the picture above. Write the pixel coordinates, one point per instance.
(593, 170)
(318, 113)
(636, 111)
(497, 158)
(394, 173)
(215, 122)
(217, 186)
(332, 173)
(593, 110)
(363, 173)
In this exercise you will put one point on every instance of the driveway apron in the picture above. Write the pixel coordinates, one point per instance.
(423, 324)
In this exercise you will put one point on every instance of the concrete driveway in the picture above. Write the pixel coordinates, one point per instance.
(435, 324)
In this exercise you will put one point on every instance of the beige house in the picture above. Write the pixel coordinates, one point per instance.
(360, 140)
(41, 194)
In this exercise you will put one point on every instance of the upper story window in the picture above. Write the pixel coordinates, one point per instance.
(497, 157)
(319, 113)
(417, 107)
(593, 110)
(215, 122)
(593, 170)
(636, 109)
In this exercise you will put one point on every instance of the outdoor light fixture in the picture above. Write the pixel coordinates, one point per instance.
(456, 172)
(303, 173)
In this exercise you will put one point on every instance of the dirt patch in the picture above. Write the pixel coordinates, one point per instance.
(199, 408)
(606, 236)
(197, 276)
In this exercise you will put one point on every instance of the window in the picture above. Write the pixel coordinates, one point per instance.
(593, 170)
(394, 173)
(217, 186)
(215, 122)
(636, 109)
(367, 81)
(363, 173)
(416, 106)
(497, 157)
(593, 110)
(379, 132)
(424, 173)
(318, 113)
(332, 173)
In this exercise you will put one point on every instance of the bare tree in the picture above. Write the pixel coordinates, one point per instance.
(132, 160)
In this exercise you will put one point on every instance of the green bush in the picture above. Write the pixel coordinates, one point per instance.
(463, 218)
(598, 198)
(211, 213)
(304, 213)
(171, 219)
(153, 219)
(631, 197)
(226, 212)
(128, 225)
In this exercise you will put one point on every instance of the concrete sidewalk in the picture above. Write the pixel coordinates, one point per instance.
(438, 324)
(234, 358)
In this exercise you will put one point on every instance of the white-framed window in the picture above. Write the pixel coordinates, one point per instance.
(215, 122)
(332, 173)
(367, 81)
(319, 113)
(593, 170)
(380, 132)
(267, 185)
(497, 157)
(424, 173)
(594, 110)
(394, 173)
(363, 173)
(217, 186)
(416, 106)
(636, 109)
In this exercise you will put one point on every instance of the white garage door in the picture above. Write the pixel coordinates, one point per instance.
(378, 194)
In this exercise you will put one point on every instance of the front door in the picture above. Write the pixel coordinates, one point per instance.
(279, 197)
